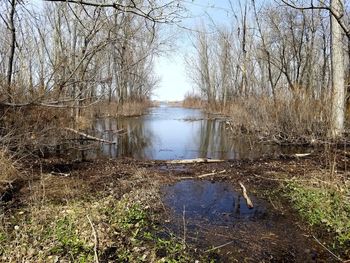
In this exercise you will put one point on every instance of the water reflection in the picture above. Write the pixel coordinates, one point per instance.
(207, 201)
(175, 133)
(132, 137)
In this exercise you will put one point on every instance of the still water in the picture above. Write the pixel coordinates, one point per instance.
(174, 133)
(209, 201)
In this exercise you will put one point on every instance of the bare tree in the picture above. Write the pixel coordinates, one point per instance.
(338, 95)
(10, 24)
(338, 28)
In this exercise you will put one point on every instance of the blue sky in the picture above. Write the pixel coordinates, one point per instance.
(171, 68)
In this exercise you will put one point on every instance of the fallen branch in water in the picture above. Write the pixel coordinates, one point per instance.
(203, 175)
(87, 136)
(246, 197)
(197, 160)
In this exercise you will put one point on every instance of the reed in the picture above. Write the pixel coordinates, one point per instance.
(297, 119)
(126, 109)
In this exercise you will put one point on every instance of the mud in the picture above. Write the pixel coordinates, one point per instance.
(211, 211)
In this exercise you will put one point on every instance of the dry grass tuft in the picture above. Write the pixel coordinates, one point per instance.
(127, 109)
(83, 123)
(8, 167)
(10, 177)
(285, 116)
(297, 119)
(192, 101)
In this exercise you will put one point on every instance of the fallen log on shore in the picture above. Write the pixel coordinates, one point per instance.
(197, 160)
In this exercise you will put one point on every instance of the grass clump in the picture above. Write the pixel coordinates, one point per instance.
(139, 228)
(69, 242)
(128, 230)
(325, 207)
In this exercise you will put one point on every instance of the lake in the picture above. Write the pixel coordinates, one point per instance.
(167, 133)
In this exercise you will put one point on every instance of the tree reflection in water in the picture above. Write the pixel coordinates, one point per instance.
(178, 133)
(132, 141)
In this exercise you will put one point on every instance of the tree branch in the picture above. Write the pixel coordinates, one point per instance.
(131, 8)
(337, 15)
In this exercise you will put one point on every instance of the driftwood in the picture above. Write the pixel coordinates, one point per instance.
(60, 174)
(198, 160)
(302, 154)
(87, 136)
(202, 175)
(246, 197)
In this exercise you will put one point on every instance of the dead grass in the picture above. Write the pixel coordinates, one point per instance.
(9, 174)
(34, 129)
(127, 109)
(40, 130)
(8, 167)
(126, 226)
(299, 119)
(193, 101)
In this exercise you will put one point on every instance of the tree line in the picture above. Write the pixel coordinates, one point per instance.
(75, 53)
(62, 62)
(286, 55)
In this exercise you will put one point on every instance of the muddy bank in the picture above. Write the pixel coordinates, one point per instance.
(206, 216)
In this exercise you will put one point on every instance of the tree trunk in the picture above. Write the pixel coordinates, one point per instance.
(338, 89)
(244, 51)
(12, 50)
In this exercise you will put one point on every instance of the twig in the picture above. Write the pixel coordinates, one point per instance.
(275, 207)
(221, 246)
(184, 224)
(95, 239)
(334, 255)
(203, 175)
(60, 174)
(246, 197)
(280, 179)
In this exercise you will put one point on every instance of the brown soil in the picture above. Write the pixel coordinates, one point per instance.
(280, 237)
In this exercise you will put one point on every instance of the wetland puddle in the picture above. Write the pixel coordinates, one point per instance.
(214, 217)
(210, 202)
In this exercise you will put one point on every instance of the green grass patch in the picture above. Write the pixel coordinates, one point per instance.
(69, 241)
(139, 226)
(323, 207)
(128, 231)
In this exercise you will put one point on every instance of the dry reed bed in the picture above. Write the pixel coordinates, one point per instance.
(298, 119)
